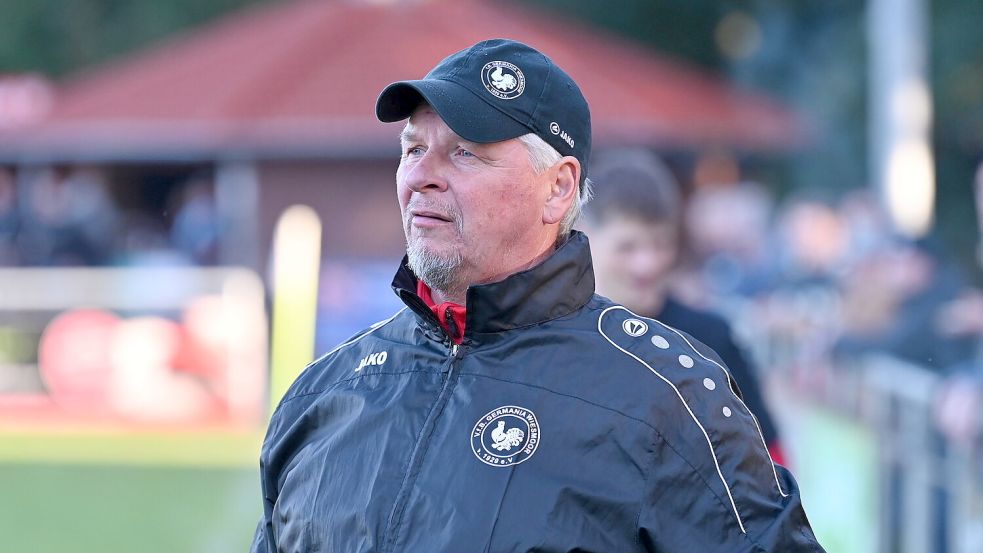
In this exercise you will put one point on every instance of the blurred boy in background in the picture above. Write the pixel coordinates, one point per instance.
(634, 225)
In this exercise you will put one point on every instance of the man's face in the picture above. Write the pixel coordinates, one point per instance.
(472, 213)
(633, 259)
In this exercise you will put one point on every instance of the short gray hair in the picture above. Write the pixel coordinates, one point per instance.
(543, 156)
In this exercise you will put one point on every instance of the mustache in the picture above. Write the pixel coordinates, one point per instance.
(420, 204)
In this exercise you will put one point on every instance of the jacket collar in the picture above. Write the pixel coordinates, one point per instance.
(561, 284)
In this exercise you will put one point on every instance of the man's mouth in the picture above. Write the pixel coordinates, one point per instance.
(431, 215)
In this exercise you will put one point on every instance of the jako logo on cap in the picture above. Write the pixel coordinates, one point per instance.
(555, 129)
(503, 79)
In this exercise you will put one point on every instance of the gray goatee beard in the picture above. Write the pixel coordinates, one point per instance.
(439, 273)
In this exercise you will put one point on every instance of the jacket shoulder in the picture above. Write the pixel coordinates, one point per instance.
(693, 405)
(342, 361)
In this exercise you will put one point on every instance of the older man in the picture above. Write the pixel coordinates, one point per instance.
(508, 408)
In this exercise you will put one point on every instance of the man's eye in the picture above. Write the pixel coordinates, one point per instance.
(464, 153)
(414, 150)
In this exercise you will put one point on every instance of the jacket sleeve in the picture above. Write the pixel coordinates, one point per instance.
(263, 540)
(684, 512)
(712, 486)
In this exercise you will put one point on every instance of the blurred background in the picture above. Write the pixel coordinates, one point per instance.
(195, 197)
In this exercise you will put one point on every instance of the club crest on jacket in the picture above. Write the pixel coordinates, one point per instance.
(505, 436)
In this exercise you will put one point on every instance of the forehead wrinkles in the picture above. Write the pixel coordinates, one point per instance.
(429, 124)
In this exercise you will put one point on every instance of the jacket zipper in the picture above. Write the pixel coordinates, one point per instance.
(419, 452)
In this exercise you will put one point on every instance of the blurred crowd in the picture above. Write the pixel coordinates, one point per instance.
(74, 216)
(809, 283)
(166, 364)
(815, 285)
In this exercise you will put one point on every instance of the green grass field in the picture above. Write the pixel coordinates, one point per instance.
(81, 508)
(131, 493)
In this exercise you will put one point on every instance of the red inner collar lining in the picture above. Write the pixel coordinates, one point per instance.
(452, 316)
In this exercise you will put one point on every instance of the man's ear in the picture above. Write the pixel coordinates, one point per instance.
(563, 189)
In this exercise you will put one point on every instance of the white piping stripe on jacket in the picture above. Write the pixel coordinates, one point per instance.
(371, 329)
(686, 405)
(738, 398)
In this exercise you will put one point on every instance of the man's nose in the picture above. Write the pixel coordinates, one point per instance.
(426, 174)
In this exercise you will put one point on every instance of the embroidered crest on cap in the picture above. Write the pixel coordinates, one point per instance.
(503, 79)
(505, 436)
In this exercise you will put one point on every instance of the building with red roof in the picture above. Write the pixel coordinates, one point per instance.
(278, 101)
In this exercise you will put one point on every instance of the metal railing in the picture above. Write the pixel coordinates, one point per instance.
(928, 486)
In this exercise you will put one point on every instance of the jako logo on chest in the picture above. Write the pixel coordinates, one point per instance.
(372, 359)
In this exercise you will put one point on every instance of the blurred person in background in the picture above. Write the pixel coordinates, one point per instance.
(978, 201)
(634, 223)
(508, 407)
(958, 407)
(905, 301)
(728, 241)
(197, 226)
(813, 243)
(9, 218)
(70, 218)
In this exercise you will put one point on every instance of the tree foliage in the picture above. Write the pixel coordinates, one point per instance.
(56, 37)
(813, 55)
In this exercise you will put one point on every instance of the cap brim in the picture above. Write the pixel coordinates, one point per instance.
(467, 115)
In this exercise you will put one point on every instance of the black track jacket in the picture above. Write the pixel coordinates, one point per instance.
(563, 423)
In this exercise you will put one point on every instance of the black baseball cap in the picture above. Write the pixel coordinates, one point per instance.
(496, 90)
